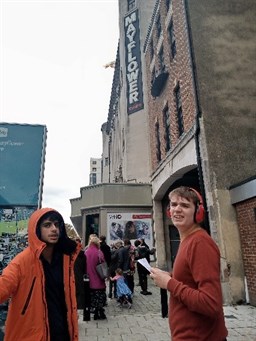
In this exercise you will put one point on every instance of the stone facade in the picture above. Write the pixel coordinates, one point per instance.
(196, 128)
(200, 91)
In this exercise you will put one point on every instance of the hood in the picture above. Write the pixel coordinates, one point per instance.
(65, 244)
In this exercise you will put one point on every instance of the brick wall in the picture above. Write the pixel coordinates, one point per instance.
(246, 216)
(180, 72)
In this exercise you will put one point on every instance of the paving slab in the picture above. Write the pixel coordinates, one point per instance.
(144, 321)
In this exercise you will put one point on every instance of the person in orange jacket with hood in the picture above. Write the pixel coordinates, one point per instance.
(40, 283)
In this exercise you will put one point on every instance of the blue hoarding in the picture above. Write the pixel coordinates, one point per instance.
(22, 157)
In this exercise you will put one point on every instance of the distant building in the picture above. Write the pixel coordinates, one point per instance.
(95, 171)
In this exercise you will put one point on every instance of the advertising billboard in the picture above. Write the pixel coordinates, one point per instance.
(22, 157)
(129, 225)
(14, 219)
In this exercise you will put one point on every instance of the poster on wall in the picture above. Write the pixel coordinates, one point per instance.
(130, 225)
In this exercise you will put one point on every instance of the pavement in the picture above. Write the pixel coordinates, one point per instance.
(144, 321)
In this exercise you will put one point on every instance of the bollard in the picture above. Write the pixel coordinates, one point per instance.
(164, 302)
(87, 299)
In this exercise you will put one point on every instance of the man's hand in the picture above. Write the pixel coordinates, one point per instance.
(160, 277)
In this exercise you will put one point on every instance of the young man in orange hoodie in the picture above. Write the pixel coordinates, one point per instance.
(195, 309)
(40, 282)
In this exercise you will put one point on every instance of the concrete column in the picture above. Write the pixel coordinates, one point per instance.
(159, 235)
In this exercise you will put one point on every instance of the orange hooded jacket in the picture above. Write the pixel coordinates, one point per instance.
(23, 281)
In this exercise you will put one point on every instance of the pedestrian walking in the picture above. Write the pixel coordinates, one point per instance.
(94, 256)
(195, 309)
(41, 284)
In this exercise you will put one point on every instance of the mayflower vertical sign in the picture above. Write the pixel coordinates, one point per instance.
(133, 63)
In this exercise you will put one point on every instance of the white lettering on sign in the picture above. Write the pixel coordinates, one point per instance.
(132, 62)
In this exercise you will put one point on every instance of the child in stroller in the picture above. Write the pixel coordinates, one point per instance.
(124, 294)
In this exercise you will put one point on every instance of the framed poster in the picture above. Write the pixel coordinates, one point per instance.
(131, 226)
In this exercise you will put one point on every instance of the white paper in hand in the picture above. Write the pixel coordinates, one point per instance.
(145, 263)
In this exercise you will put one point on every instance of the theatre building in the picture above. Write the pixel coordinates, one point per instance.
(182, 112)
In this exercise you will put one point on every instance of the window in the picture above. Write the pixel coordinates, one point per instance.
(167, 3)
(151, 49)
(161, 59)
(172, 39)
(158, 142)
(167, 128)
(158, 26)
(94, 169)
(131, 4)
(93, 179)
(153, 75)
(179, 110)
(106, 161)
(94, 162)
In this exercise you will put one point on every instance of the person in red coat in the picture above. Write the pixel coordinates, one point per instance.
(196, 307)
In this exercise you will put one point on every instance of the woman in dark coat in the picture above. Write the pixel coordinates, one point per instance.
(79, 270)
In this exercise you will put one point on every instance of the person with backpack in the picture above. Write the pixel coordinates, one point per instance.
(129, 273)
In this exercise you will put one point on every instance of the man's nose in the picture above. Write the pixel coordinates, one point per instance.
(177, 208)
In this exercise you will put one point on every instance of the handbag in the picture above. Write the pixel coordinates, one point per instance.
(102, 269)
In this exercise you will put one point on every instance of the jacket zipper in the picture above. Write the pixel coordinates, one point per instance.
(28, 297)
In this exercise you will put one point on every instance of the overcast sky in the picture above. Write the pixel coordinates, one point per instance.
(52, 57)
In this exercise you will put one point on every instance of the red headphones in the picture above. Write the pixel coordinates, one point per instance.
(200, 212)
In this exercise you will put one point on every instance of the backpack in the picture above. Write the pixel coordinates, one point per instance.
(143, 252)
(132, 258)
